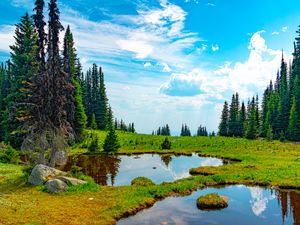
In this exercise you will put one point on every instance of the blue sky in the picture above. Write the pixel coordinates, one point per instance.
(174, 61)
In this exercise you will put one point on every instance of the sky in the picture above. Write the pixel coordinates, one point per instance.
(174, 61)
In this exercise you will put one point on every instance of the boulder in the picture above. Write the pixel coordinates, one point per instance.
(56, 186)
(71, 181)
(41, 174)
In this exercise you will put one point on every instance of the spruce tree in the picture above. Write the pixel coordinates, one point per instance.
(23, 67)
(40, 24)
(102, 101)
(74, 107)
(111, 143)
(294, 122)
(223, 127)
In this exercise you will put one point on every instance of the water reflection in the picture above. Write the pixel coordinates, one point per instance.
(247, 206)
(120, 170)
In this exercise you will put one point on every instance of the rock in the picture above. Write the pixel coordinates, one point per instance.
(212, 202)
(71, 181)
(56, 186)
(41, 174)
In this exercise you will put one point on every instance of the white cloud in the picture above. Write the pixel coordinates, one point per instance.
(166, 67)
(22, 3)
(154, 33)
(210, 4)
(215, 48)
(284, 29)
(248, 77)
(147, 64)
(140, 48)
(6, 37)
(275, 33)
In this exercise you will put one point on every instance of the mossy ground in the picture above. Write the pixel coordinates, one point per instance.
(212, 201)
(262, 162)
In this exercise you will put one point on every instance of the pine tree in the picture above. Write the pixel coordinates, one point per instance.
(23, 67)
(111, 143)
(294, 123)
(75, 110)
(251, 132)
(40, 24)
(284, 100)
(242, 120)
(223, 127)
(102, 101)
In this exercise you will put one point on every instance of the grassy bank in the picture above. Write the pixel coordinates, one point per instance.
(262, 162)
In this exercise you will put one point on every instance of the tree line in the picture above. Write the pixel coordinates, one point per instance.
(278, 116)
(46, 101)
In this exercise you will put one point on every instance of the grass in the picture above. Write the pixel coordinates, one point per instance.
(142, 181)
(272, 164)
(212, 201)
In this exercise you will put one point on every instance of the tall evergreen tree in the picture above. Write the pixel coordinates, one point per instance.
(40, 24)
(111, 143)
(294, 123)
(223, 127)
(23, 67)
(74, 106)
(102, 101)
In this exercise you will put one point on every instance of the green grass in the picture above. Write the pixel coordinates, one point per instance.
(258, 162)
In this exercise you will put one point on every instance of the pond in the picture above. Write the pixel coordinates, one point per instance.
(247, 206)
(122, 169)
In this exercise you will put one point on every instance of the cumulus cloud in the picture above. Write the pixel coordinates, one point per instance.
(147, 64)
(215, 48)
(284, 29)
(248, 77)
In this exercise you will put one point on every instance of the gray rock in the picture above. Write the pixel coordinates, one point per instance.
(71, 181)
(56, 186)
(41, 173)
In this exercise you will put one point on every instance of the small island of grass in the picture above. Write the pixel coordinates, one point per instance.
(142, 181)
(212, 202)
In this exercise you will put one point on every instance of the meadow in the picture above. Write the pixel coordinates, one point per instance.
(254, 162)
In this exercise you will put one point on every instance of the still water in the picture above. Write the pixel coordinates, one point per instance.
(121, 170)
(247, 206)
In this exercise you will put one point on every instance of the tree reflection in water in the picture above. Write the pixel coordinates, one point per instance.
(103, 169)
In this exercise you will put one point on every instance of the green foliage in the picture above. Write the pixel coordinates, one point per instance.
(111, 142)
(223, 127)
(269, 134)
(23, 68)
(185, 131)
(27, 170)
(166, 144)
(8, 154)
(94, 145)
(93, 123)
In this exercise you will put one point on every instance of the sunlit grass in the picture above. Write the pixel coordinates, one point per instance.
(262, 162)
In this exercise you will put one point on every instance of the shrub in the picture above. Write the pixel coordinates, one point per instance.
(166, 144)
(94, 145)
(8, 154)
